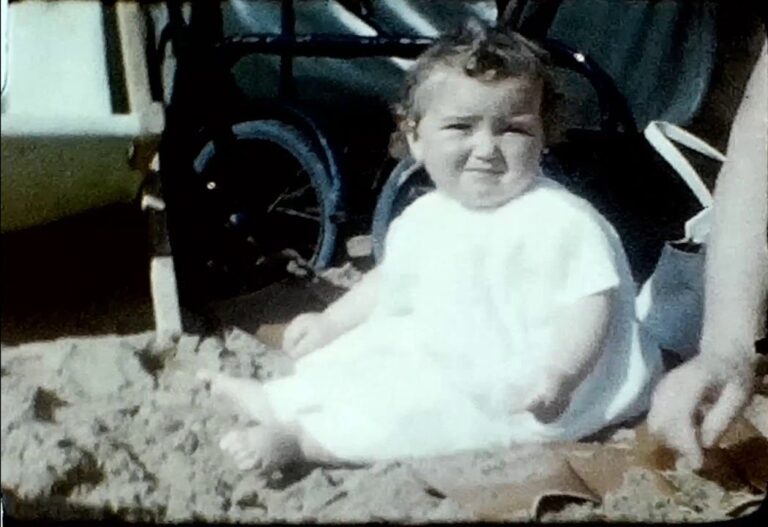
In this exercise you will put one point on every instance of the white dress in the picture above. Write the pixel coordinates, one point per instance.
(463, 326)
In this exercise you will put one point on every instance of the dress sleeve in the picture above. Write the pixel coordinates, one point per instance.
(590, 255)
(405, 230)
(393, 239)
(396, 268)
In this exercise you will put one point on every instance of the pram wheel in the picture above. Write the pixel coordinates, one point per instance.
(258, 202)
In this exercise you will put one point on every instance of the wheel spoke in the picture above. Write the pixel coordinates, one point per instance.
(250, 217)
(286, 194)
(297, 213)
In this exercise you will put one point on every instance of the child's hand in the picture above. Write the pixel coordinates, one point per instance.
(549, 399)
(311, 331)
(307, 333)
(572, 356)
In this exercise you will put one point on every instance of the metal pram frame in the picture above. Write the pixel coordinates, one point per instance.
(210, 128)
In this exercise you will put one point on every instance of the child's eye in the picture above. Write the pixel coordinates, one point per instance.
(458, 126)
(517, 130)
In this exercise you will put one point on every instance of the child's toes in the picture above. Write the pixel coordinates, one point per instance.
(239, 445)
(260, 446)
(229, 442)
(248, 460)
(206, 375)
(244, 457)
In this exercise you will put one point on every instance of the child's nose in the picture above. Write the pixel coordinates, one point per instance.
(485, 146)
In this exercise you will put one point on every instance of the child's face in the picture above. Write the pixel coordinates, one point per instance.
(479, 141)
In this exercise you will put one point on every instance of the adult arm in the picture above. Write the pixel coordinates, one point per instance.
(735, 289)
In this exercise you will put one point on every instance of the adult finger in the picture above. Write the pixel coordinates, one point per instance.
(672, 421)
(665, 408)
(684, 439)
(673, 408)
(732, 400)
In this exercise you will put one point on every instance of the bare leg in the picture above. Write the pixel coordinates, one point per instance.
(271, 444)
(247, 394)
(269, 447)
(266, 447)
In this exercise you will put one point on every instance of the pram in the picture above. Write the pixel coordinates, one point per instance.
(254, 183)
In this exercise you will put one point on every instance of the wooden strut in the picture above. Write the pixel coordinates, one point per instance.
(165, 298)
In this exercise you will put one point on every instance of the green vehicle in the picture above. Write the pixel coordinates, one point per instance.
(77, 112)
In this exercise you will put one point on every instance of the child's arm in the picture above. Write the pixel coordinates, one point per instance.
(311, 331)
(578, 337)
(356, 305)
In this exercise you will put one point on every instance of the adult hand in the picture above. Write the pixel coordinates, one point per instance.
(307, 333)
(694, 403)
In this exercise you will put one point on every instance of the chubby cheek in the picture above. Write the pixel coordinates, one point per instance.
(446, 160)
(523, 158)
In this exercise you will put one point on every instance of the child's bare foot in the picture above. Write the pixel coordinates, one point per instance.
(245, 393)
(272, 443)
(261, 447)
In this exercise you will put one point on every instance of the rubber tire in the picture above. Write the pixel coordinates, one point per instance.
(327, 187)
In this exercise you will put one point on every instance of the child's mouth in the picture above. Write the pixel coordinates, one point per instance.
(484, 175)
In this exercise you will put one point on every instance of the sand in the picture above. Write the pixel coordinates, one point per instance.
(106, 427)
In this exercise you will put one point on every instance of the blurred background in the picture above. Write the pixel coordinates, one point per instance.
(89, 91)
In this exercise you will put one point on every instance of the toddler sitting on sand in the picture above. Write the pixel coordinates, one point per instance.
(503, 311)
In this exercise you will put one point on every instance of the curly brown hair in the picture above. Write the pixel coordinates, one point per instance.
(482, 53)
